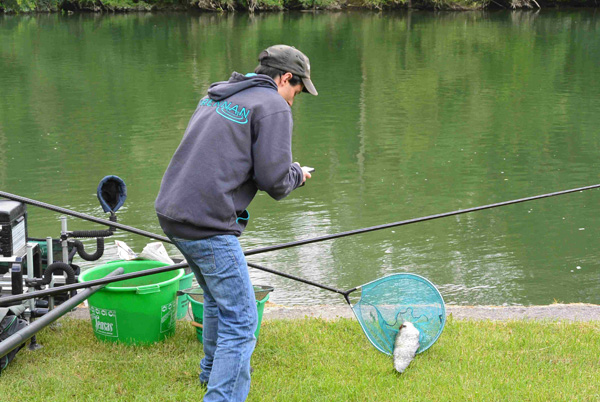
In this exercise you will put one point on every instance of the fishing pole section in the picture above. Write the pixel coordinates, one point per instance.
(29, 265)
(16, 340)
(384, 304)
(298, 242)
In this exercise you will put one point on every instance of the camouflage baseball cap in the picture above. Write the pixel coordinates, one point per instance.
(289, 59)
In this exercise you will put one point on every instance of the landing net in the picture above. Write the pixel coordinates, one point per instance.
(389, 301)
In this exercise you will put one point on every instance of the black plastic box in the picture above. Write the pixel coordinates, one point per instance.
(13, 228)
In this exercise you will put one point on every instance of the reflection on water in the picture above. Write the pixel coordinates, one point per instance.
(418, 113)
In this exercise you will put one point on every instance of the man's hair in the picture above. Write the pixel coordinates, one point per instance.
(275, 72)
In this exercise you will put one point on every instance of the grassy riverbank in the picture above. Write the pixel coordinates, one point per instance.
(316, 360)
(69, 6)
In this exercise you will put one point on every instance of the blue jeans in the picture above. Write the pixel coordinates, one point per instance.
(230, 316)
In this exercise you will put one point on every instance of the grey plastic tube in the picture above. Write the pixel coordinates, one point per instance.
(13, 341)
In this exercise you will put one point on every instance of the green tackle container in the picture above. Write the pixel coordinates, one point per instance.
(182, 301)
(198, 312)
(135, 311)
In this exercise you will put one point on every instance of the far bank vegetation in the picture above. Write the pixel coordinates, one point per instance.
(72, 6)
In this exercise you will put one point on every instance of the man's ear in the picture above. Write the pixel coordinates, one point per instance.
(285, 78)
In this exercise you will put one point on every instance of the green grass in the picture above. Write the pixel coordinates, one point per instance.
(315, 360)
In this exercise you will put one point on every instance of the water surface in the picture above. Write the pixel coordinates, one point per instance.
(418, 113)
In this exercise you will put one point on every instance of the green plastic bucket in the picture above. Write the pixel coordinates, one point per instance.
(182, 301)
(198, 311)
(135, 311)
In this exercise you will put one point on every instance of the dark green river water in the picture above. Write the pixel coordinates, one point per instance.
(418, 113)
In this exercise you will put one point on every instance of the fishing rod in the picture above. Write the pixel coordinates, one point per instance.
(61, 289)
(414, 220)
(298, 242)
(10, 299)
(377, 293)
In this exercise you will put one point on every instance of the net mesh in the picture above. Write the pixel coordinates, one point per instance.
(389, 301)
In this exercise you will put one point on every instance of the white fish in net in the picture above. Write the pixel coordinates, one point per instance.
(405, 346)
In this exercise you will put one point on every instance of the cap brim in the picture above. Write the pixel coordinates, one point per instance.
(309, 87)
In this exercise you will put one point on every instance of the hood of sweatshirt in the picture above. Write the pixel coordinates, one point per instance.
(239, 82)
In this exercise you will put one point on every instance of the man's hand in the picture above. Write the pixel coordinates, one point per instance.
(306, 170)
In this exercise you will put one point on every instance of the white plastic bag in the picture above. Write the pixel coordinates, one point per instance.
(124, 251)
(156, 252)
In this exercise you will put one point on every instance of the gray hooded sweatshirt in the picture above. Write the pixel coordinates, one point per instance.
(238, 141)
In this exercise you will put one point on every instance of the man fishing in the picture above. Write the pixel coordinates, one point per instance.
(237, 142)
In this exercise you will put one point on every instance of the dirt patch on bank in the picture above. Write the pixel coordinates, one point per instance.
(563, 312)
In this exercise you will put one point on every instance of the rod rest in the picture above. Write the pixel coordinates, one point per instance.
(51, 270)
(98, 234)
(83, 234)
(78, 245)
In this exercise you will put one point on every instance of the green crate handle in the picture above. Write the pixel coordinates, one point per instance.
(147, 289)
